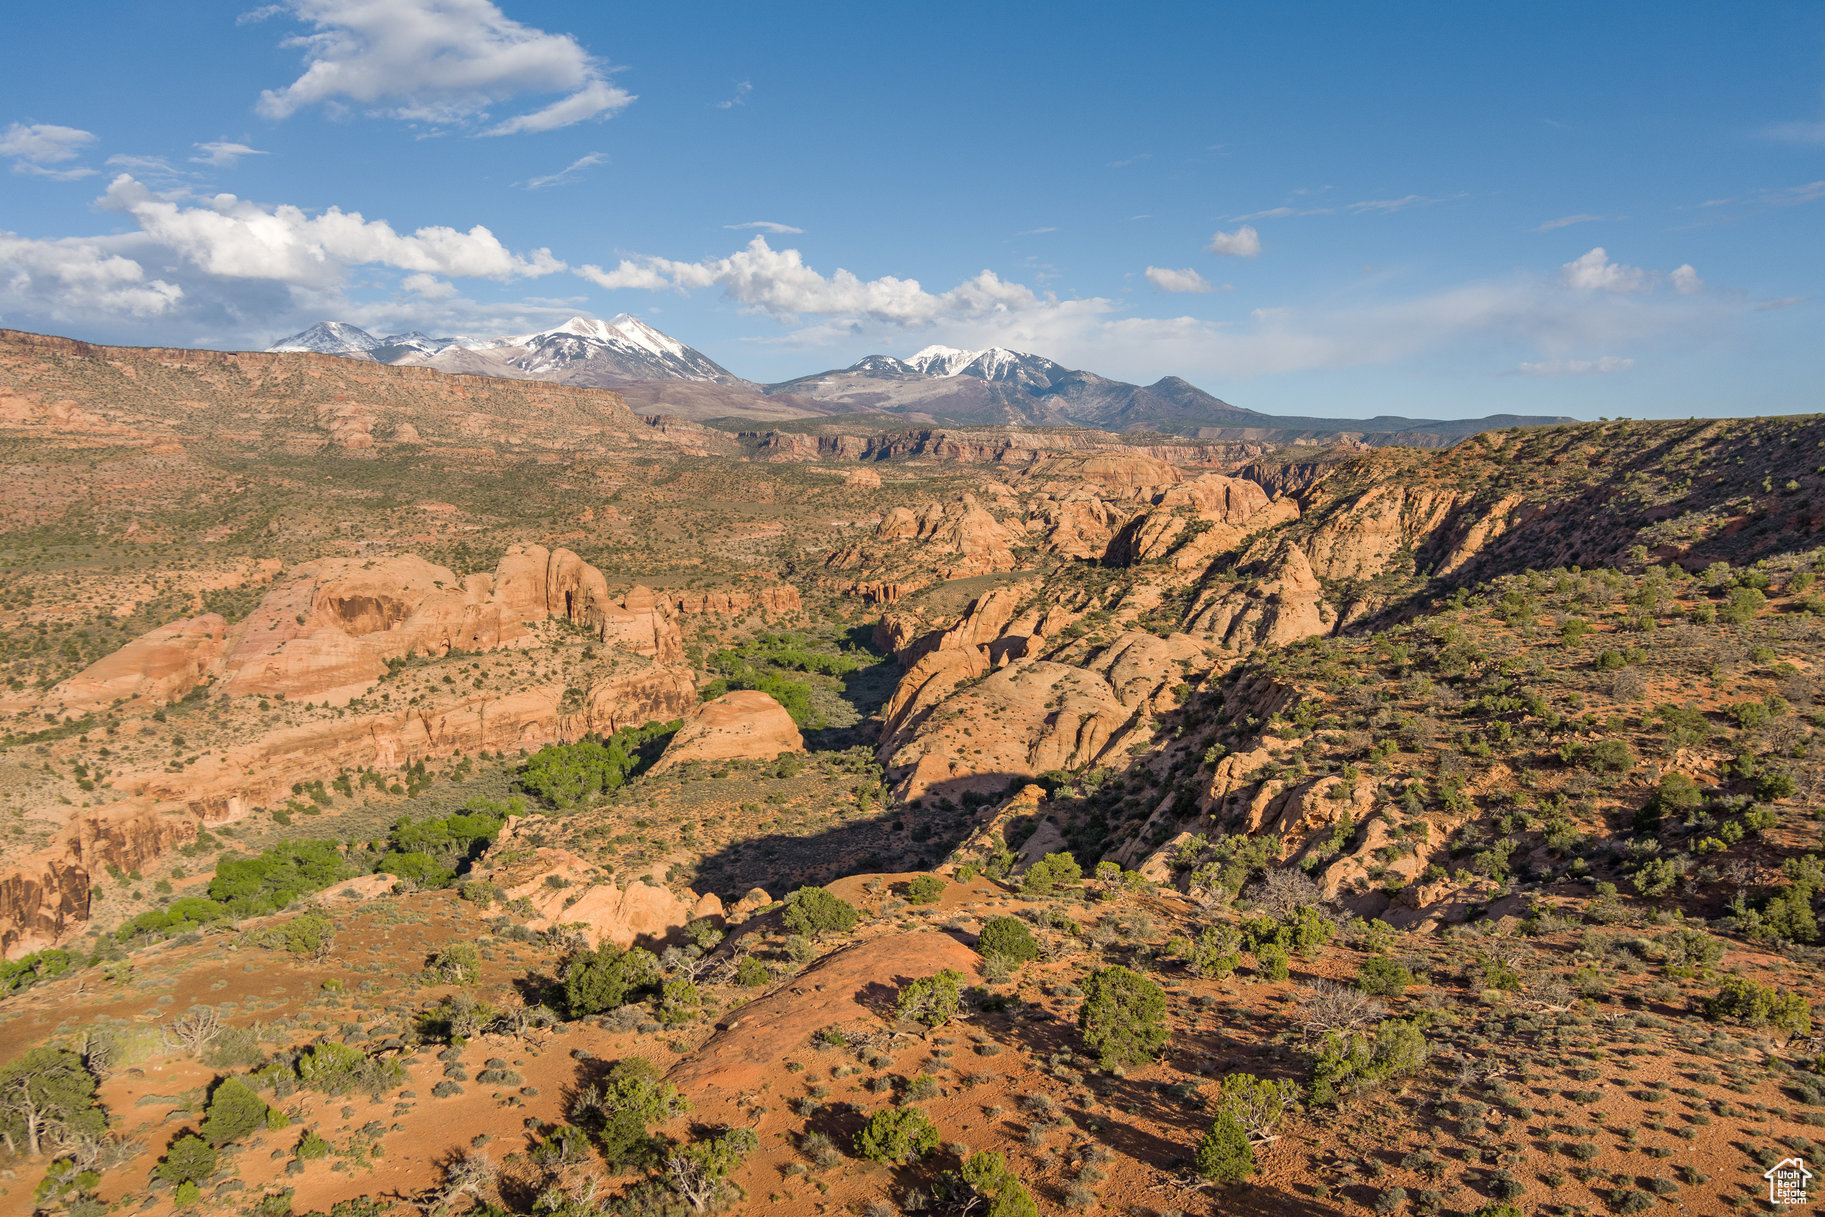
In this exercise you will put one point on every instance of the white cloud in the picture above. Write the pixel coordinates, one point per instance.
(777, 282)
(238, 239)
(569, 172)
(1245, 242)
(221, 154)
(772, 226)
(1577, 367)
(1272, 213)
(1685, 280)
(72, 277)
(742, 89)
(35, 148)
(1594, 272)
(439, 62)
(1180, 280)
(1405, 201)
(1568, 221)
(428, 286)
(1037, 232)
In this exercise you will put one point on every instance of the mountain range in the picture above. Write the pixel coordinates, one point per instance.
(939, 384)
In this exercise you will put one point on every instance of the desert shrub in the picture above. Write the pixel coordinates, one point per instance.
(986, 1174)
(1759, 1005)
(1271, 962)
(249, 887)
(1050, 872)
(621, 1110)
(680, 1002)
(752, 973)
(1383, 977)
(896, 1134)
(187, 1160)
(930, 1000)
(1611, 756)
(1215, 952)
(460, 963)
(566, 775)
(1352, 1060)
(234, 1111)
(605, 977)
(1007, 938)
(814, 912)
(311, 935)
(1257, 1104)
(335, 1069)
(1742, 604)
(1225, 1155)
(47, 1088)
(28, 970)
(926, 889)
(1122, 1020)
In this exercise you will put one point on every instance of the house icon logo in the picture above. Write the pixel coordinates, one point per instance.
(1787, 1181)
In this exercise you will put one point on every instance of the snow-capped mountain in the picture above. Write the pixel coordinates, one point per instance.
(582, 351)
(1002, 386)
(331, 338)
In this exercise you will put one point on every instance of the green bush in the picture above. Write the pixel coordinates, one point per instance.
(188, 1159)
(1346, 1062)
(896, 1134)
(1743, 999)
(1225, 1155)
(309, 934)
(926, 889)
(1050, 872)
(566, 775)
(624, 1107)
(28, 970)
(604, 978)
(1007, 938)
(930, 1000)
(987, 1175)
(1383, 977)
(814, 912)
(1742, 604)
(276, 877)
(54, 1083)
(1215, 953)
(752, 973)
(1123, 1017)
(234, 1111)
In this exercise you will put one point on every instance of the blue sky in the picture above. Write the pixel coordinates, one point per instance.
(1427, 209)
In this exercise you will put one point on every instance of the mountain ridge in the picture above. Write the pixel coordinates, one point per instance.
(990, 386)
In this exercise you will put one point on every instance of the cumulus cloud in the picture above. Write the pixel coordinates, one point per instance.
(1594, 272)
(444, 62)
(222, 154)
(742, 89)
(1245, 242)
(1577, 367)
(772, 226)
(568, 173)
(1179, 280)
(70, 278)
(239, 239)
(36, 150)
(777, 282)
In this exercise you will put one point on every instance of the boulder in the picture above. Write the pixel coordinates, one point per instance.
(745, 725)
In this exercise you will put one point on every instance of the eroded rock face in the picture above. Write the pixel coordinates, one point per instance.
(953, 539)
(1199, 519)
(745, 724)
(1285, 605)
(1018, 722)
(640, 913)
(158, 667)
(44, 898)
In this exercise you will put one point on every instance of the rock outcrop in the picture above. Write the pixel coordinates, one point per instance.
(745, 725)
(156, 668)
(565, 890)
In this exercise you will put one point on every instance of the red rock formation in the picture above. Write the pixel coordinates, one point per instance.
(158, 667)
(745, 724)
